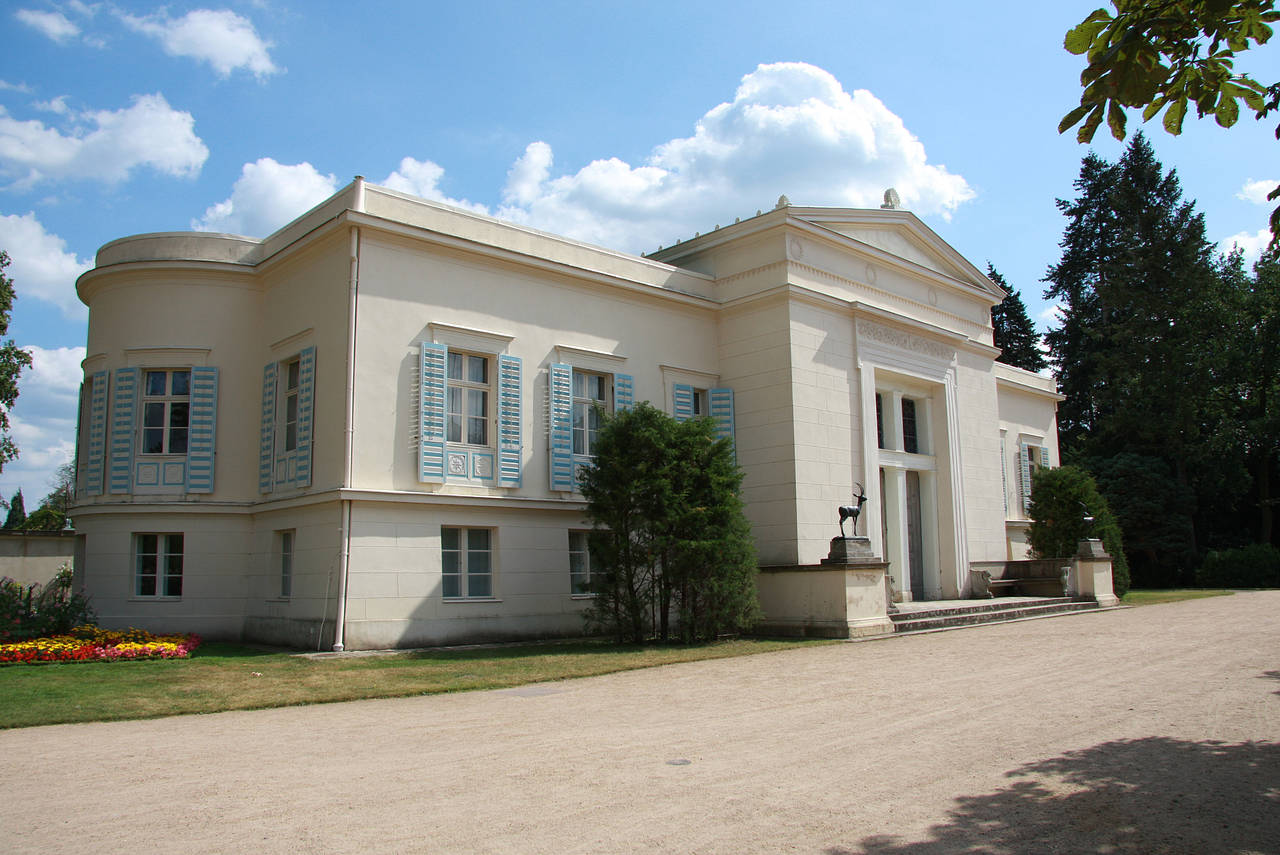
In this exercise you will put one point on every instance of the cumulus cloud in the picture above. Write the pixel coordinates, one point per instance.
(41, 267)
(266, 196)
(6, 86)
(43, 421)
(219, 37)
(422, 178)
(105, 144)
(53, 25)
(790, 128)
(1252, 245)
(1256, 191)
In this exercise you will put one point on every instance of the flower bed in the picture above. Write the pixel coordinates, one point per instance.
(92, 644)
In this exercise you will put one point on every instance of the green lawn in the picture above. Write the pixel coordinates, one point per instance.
(1153, 596)
(232, 677)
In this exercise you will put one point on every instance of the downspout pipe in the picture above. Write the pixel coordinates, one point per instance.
(344, 554)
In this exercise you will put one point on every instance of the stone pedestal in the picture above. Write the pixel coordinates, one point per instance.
(843, 597)
(1090, 575)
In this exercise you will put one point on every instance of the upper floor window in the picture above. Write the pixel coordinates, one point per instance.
(910, 431)
(468, 399)
(166, 412)
(879, 420)
(590, 398)
(292, 371)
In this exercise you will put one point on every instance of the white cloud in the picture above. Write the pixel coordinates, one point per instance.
(1251, 244)
(53, 25)
(266, 196)
(422, 178)
(104, 144)
(1051, 315)
(1256, 191)
(219, 37)
(41, 267)
(6, 86)
(790, 128)
(54, 105)
(43, 421)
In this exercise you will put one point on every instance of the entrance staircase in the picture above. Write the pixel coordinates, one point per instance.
(952, 614)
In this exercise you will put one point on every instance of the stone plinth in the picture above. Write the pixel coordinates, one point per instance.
(843, 597)
(1091, 574)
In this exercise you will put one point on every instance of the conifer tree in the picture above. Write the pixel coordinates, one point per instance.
(17, 517)
(1013, 331)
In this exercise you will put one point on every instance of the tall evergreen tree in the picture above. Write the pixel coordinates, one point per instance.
(1142, 348)
(1013, 331)
(17, 517)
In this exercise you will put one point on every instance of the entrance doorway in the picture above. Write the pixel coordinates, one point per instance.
(915, 536)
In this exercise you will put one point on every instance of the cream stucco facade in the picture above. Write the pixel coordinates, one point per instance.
(364, 428)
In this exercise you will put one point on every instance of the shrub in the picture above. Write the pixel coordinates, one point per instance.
(1060, 499)
(35, 611)
(1253, 566)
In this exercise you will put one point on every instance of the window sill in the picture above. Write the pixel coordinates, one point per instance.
(583, 596)
(155, 599)
(472, 599)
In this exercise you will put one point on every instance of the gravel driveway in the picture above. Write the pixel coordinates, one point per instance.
(1144, 730)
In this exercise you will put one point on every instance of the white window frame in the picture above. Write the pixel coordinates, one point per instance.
(290, 372)
(586, 405)
(580, 578)
(286, 544)
(164, 566)
(466, 413)
(464, 557)
(165, 401)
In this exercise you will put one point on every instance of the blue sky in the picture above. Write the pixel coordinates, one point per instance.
(625, 124)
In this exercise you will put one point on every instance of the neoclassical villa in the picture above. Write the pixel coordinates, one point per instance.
(365, 430)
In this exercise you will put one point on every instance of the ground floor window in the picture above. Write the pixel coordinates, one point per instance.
(158, 565)
(286, 564)
(579, 562)
(466, 562)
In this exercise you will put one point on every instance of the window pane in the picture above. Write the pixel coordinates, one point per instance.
(455, 366)
(597, 388)
(292, 374)
(155, 383)
(578, 541)
(477, 402)
(455, 429)
(478, 431)
(290, 437)
(451, 586)
(291, 408)
(147, 564)
(173, 586)
(147, 543)
(479, 586)
(174, 543)
(146, 586)
(153, 414)
(477, 369)
(179, 412)
(153, 441)
(579, 385)
(178, 441)
(449, 538)
(478, 538)
(181, 383)
(455, 399)
(910, 441)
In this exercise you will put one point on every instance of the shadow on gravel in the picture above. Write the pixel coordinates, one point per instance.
(1154, 795)
(1273, 675)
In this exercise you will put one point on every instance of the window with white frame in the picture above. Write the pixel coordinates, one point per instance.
(289, 404)
(579, 562)
(286, 539)
(910, 427)
(591, 397)
(466, 562)
(158, 565)
(166, 411)
(467, 406)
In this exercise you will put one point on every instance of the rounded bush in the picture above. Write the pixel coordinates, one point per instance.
(1253, 566)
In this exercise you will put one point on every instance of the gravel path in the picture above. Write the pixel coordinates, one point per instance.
(1145, 730)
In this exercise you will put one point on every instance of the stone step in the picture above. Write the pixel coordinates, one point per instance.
(957, 616)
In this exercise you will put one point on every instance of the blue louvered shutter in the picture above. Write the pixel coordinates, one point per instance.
(682, 402)
(97, 447)
(431, 412)
(1004, 474)
(203, 429)
(509, 424)
(306, 416)
(560, 429)
(1044, 457)
(624, 396)
(124, 411)
(1024, 465)
(267, 437)
(721, 403)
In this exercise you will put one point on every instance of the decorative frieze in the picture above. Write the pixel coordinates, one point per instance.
(904, 340)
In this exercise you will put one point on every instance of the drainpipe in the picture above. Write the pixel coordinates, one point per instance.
(344, 554)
